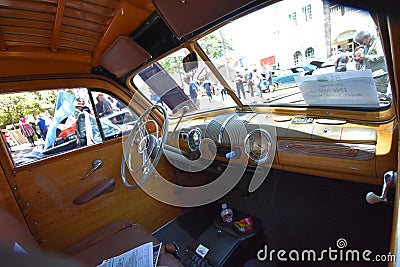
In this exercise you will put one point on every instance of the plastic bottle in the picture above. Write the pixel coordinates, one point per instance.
(226, 214)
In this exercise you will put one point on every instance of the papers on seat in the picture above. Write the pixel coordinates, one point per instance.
(145, 255)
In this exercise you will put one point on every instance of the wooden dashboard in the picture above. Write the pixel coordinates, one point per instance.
(338, 148)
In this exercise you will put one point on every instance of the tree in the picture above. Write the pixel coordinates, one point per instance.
(9, 107)
(12, 106)
(215, 45)
(172, 64)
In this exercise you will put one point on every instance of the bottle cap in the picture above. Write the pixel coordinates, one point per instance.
(224, 206)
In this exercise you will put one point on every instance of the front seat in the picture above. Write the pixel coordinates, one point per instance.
(105, 243)
(116, 239)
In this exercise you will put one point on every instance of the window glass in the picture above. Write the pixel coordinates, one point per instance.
(39, 124)
(307, 12)
(310, 53)
(293, 18)
(343, 61)
(115, 116)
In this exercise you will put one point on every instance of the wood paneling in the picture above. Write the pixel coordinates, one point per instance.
(46, 192)
(120, 24)
(59, 26)
(87, 25)
(45, 63)
(23, 14)
(25, 22)
(99, 9)
(7, 200)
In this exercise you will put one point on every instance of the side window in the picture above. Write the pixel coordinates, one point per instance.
(115, 117)
(39, 124)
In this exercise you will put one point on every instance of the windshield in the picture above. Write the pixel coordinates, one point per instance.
(292, 53)
(309, 53)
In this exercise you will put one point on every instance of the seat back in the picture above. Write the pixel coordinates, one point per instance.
(14, 231)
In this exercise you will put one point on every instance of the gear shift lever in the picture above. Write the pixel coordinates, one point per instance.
(389, 178)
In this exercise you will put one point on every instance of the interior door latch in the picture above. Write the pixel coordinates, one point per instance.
(96, 164)
(389, 180)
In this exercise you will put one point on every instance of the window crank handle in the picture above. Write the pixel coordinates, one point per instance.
(96, 164)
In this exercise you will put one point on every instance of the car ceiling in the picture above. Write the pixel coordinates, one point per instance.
(69, 36)
(77, 32)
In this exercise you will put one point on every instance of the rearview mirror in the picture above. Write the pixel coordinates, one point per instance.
(190, 62)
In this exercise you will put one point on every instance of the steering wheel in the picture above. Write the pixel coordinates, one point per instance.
(146, 145)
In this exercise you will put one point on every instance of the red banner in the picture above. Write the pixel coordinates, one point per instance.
(267, 61)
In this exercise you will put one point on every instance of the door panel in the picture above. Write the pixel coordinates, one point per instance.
(46, 193)
(7, 200)
(45, 188)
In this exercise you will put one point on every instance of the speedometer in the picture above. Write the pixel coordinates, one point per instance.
(194, 139)
(258, 145)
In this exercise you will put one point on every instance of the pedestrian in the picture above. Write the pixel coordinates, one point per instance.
(207, 86)
(5, 137)
(239, 85)
(257, 79)
(27, 130)
(103, 106)
(358, 51)
(80, 105)
(99, 105)
(341, 61)
(120, 105)
(248, 77)
(269, 79)
(113, 103)
(223, 90)
(373, 59)
(193, 89)
(41, 126)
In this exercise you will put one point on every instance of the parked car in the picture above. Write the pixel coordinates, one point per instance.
(328, 65)
(285, 78)
(322, 67)
(124, 119)
(75, 134)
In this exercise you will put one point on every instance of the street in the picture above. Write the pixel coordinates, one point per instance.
(24, 153)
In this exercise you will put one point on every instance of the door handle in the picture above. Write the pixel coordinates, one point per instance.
(102, 188)
(96, 164)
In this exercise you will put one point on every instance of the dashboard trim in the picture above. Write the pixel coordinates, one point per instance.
(362, 152)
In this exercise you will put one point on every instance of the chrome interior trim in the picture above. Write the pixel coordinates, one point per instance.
(267, 155)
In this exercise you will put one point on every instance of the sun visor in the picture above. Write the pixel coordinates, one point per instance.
(186, 16)
(123, 55)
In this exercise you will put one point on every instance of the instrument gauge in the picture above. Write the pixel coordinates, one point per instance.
(194, 138)
(258, 145)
